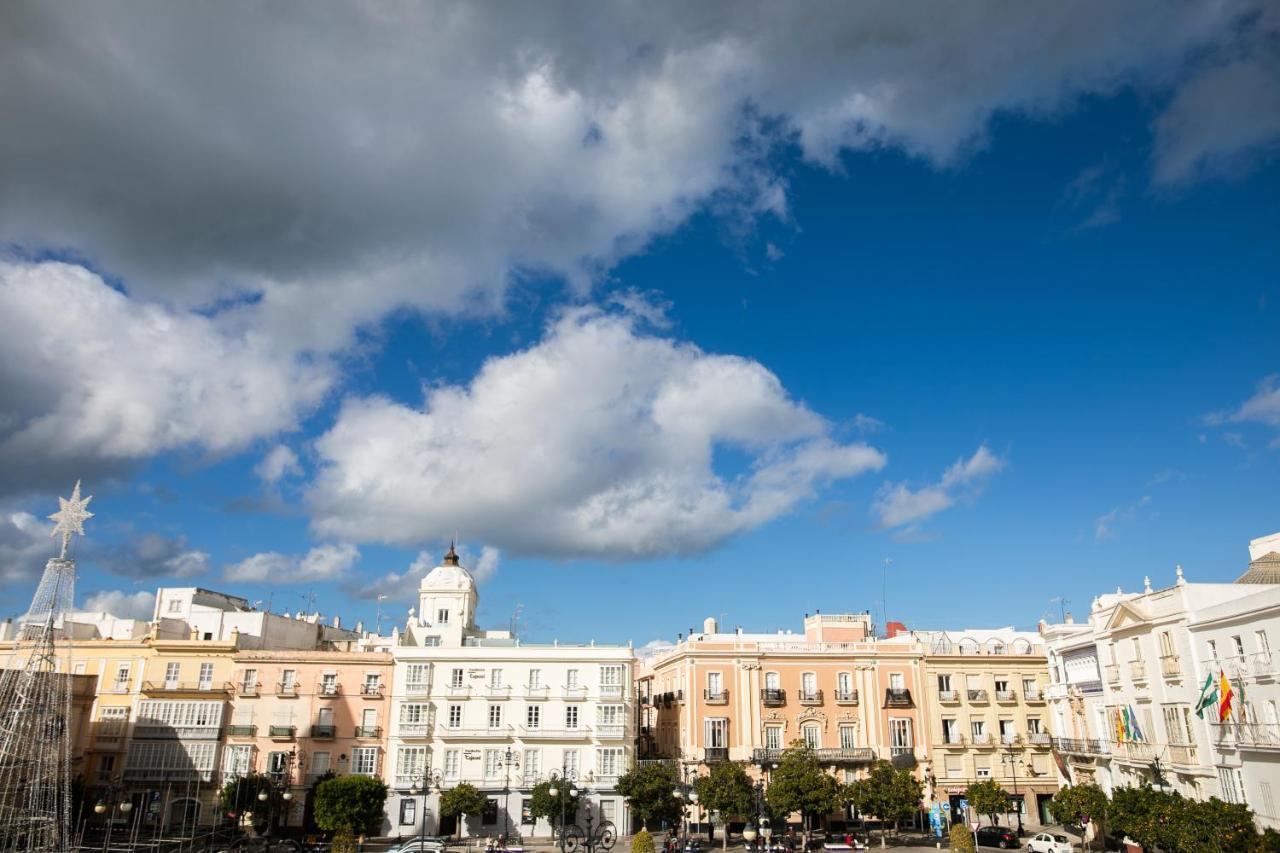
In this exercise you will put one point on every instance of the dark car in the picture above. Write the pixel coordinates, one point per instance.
(996, 836)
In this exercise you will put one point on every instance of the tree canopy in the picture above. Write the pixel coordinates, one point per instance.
(727, 789)
(542, 804)
(649, 790)
(462, 799)
(240, 796)
(890, 794)
(800, 785)
(988, 798)
(350, 802)
(1076, 804)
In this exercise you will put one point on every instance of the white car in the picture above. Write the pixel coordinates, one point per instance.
(1046, 842)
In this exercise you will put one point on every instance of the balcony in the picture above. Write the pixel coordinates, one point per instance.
(1054, 692)
(1033, 694)
(1079, 746)
(328, 689)
(827, 755)
(772, 697)
(812, 697)
(1039, 738)
(282, 732)
(323, 731)
(898, 697)
(719, 697)
(1144, 752)
(1006, 696)
(415, 730)
(611, 691)
(497, 691)
(846, 697)
(1171, 667)
(371, 690)
(1249, 736)
(715, 754)
(417, 688)
(241, 731)
(611, 732)
(247, 691)
(1113, 673)
(539, 691)
(1260, 666)
(977, 696)
(576, 694)
(146, 729)
(1138, 671)
(287, 689)
(1183, 753)
(1010, 738)
(539, 733)
(368, 732)
(160, 688)
(980, 739)
(952, 739)
(458, 691)
(948, 696)
(496, 733)
(116, 688)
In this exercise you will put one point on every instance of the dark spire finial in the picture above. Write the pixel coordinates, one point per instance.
(451, 556)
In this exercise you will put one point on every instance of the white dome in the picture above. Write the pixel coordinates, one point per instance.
(452, 578)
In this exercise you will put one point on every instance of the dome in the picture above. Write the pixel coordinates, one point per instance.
(450, 575)
(1265, 569)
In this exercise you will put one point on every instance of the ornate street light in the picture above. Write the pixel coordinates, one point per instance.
(568, 778)
(423, 786)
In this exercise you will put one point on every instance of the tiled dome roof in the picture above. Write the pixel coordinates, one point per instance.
(1265, 569)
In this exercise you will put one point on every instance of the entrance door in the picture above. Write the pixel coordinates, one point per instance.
(1042, 806)
(184, 814)
(448, 825)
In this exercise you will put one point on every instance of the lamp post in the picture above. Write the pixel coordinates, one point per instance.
(509, 759)
(1011, 758)
(686, 795)
(281, 781)
(757, 828)
(566, 778)
(108, 805)
(423, 786)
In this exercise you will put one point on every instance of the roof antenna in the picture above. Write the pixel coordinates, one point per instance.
(884, 596)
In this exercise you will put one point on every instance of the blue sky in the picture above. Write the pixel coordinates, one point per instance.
(1022, 351)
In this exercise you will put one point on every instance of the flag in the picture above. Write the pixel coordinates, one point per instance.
(1136, 733)
(1208, 696)
(1224, 705)
(1119, 725)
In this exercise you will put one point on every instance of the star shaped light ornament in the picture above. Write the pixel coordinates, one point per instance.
(70, 518)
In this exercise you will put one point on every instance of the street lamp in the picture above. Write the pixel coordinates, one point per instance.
(280, 781)
(1011, 758)
(685, 793)
(424, 788)
(103, 806)
(567, 778)
(509, 759)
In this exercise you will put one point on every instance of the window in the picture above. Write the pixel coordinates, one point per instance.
(982, 772)
(490, 814)
(571, 717)
(1002, 685)
(495, 678)
(773, 737)
(416, 676)
(848, 737)
(324, 717)
(492, 764)
(900, 740)
(442, 616)
(172, 673)
(250, 679)
(1264, 647)
(122, 677)
(106, 766)
(411, 762)
(364, 760)
(1033, 725)
(495, 716)
(954, 767)
(944, 683)
(1238, 645)
(535, 678)
(609, 715)
(844, 685)
(319, 763)
(532, 766)
(1136, 650)
(369, 718)
(329, 684)
(569, 761)
(455, 716)
(372, 683)
(716, 732)
(77, 668)
(455, 677)
(771, 681)
(206, 676)
(175, 605)
(289, 679)
(451, 757)
(408, 811)
(978, 728)
(1166, 644)
(609, 762)
(611, 678)
(1232, 785)
(809, 684)
(949, 733)
(812, 736)
(533, 716)
(1029, 688)
(896, 681)
(1213, 650)
(715, 684)
(276, 761)
(237, 760)
(414, 714)
(571, 678)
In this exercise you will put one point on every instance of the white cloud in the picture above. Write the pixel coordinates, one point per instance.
(897, 504)
(1104, 527)
(322, 563)
(280, 462)
(653, 647)
(1263, 407)
(403, 586)
(95, 378)
(137, 605)
(598, 440)
(150, 555)
(25, 545)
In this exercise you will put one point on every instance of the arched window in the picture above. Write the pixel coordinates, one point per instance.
(1021, 646)
(996, 647)
(968, 646)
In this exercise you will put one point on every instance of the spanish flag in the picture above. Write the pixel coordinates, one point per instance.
(1119, 726)
(1224, 704)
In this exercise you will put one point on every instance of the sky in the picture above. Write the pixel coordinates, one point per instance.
(742, 310)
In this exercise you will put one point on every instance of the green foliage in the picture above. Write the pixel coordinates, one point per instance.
(241, 795)
(800, 785)
(649, 792)
(887, 793)
(642, 842)
(1075, 802)
(344, 841)
(1173, 823)
(726, 789)
(543, 805)
(350, 802)
(988, 798)
(1269, 842)
(462, 799)
(962, 839)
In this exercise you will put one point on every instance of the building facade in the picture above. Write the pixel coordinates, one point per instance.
(476, 706)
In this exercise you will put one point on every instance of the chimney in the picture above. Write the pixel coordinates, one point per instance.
(1071, 620)
(709, 625)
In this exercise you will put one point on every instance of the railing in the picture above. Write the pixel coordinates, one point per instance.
(371, 690)
(540, 691)
(539, 733)
(1138, 670)
(184, 687)
(287, 689)
(498, 732)
(948, 696)
(282, 732)
(1113, 673)
(720, 697)
(497, 691)
(1079, 746)
(458, 691)
(715, 753)
(1182, 753)
(242, 731)
(1135, 751)
(417, 687)
(1055, 691)
(812, 697)
(981, 739)
(1170, 666)
(368, 731)
(846, 697)
(952, 738)
(1260, 665)
(825, 755)
(117, 687)
(977, 696)
(611, 731)
(328, 688)
(1006, 696)
(575, 692)
(1249, 735)
(1039, 738)
(166, 774)
(1010, 738)
(898, 697)
(1033, 694)
(247, 690)
(152, 730)
(323, 731)
(415, 729)
(773, 697)
(611, 691)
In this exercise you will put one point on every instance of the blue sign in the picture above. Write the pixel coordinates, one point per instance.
(964, 805)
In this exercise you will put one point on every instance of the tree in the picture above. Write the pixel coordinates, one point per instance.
(1075, 805)
(800, 785)
(350, 802)
(240, 796)
(461, 800)
(988, 798)
(649, 790)
(962, 839)
(543, 804)
(888, 793)
(642, 842)
(726, 789)
(1216, 825)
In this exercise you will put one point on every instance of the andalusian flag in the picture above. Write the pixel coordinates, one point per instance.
(1208, 696)
(1134, 731)
(1224, 706)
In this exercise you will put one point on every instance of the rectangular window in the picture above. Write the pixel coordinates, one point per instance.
(1264, 647)
(771, 681)
(1029, 689)
(1166, 644)
(535, 678)
(569, 761)
(848, 737)
(1002, 685)
(809, 684)
(495, 716)
(571, 678)
(716, 732)
(715, 684)
(451, 763)
(1213, 650)
(455, 678)
(900, 740)
(1033, 725)
(172, 674)
(611, 680)
(325, 716)
(812, 736)
(175, 605)
(773, 737)
(289, 679)
(364, 761)
(533, 716)
(250, 679)
(949, 733)
(237, 760)
(329, 684)
(369, 718)
(455, 716)
(442, 616)
(408, 811)
(490, 814)
(416, 676)
(609, 762)
(411, 761)
(978, 728)
(276, 762)
(495, 678)
(1227, 781)
(571, 717)
(319, 764)
(954, 767)
(206, 676)
(492, 764)
(944, 683)
(532, 766)
(609, 715)
(896, 681)
(414, 714)
(844, 685)
(1238, 645)
(982, 772)
(122, 677)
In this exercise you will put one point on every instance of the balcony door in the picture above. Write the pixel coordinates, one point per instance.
(717, 733)
(809, 684)
(772, 681)
(171, 673)
(325, 717)
(715, 684)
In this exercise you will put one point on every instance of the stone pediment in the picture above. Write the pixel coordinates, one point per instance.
(1127, 615)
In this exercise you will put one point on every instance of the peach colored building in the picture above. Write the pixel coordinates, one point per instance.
(328, 708)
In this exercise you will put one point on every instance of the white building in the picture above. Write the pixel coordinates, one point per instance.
(1077, 704)
(204, 614)
(481, 707)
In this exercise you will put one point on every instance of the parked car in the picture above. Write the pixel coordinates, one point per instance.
(1048, 842)
(429, 844)
(996, 836)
